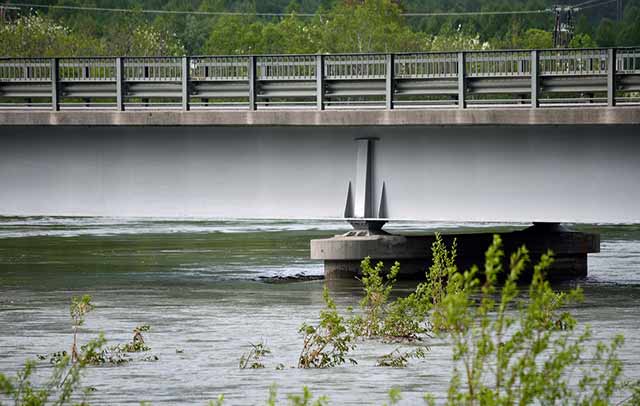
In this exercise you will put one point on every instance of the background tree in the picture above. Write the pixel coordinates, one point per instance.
(338, 26)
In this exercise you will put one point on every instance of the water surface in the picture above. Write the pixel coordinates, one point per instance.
(200, 285)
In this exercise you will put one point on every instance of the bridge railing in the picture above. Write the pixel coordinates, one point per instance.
(404, 80)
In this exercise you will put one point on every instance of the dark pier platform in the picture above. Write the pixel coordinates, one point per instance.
(342, 254)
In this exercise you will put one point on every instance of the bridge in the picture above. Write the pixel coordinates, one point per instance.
(544, 136)
(407, 80)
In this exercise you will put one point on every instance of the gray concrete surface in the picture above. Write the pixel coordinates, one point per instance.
(440, 173)
(342, 254)
(581, 115)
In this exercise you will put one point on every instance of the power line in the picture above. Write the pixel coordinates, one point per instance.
(145, 11)
(475, 13)
(583, 3)
(598, 4)
(237, 13)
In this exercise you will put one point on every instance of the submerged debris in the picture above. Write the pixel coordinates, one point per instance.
(290, 278)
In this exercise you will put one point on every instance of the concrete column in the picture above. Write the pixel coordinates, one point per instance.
(185, 83)
(390, 82)
(55, 101)
(611, 78)
(320, 82)
(252, 83)
(363, 202)
(119, 84)
(535, 85)
(462, 81)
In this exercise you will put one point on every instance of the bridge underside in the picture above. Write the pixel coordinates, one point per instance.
(545, 173)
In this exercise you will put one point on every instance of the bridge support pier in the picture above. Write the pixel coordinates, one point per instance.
(342, 254)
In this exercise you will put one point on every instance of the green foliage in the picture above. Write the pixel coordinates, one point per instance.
(273, 395)
(582, 41)
(219, 401)
(137, 343)
(376, 295)
(629, 29)
(338, 26)
(606, 33)
(253, 358)
(80, 307)
(368, 26)
(395, 396)
(143, 41)
(513, 350)
(40, 36)
(327, 344)
(634, 397)
(534, 38)
(110, 355)
(59, 386)
(405, 319)
(400, 359)
(441, 271)
(455, 40)
(306, 399)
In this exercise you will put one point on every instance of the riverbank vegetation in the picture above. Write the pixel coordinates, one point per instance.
(326, 26)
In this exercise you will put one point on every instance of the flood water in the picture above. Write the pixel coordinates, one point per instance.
(200, 285)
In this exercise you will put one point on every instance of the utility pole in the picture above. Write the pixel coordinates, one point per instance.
(619, 10)
(6, 12)
(563, 29)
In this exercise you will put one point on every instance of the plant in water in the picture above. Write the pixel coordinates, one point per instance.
(219, 401)
(137, 343)
(395, 396)
(407, 316)
(327, 344)
(520, 350)
(57, 389)
(441, 270)
(80, 307)
(305, 399)
(376, 296)
(400, 359)
(109, 355)
(253, 358)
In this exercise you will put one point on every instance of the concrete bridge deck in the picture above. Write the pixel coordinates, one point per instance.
(544, 136)
(511, 116)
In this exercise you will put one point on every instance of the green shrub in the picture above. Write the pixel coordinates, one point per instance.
(376, 295)
(509, 349)
(327, 344)
(253, 358)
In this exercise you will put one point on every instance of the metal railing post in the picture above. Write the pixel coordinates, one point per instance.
(462, 82)
(119, 84)
(611, 78)
(389, 90)
(319, 82)
(185, 83)
(252, 83)
(535, 86)
(55, 102)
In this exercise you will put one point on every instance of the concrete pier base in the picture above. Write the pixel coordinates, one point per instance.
(342, 254)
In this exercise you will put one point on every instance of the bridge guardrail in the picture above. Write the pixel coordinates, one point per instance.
(404, 80)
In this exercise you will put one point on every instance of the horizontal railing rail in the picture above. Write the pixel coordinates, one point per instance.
(530, 78)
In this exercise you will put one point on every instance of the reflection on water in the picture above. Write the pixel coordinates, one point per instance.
(197, 283)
